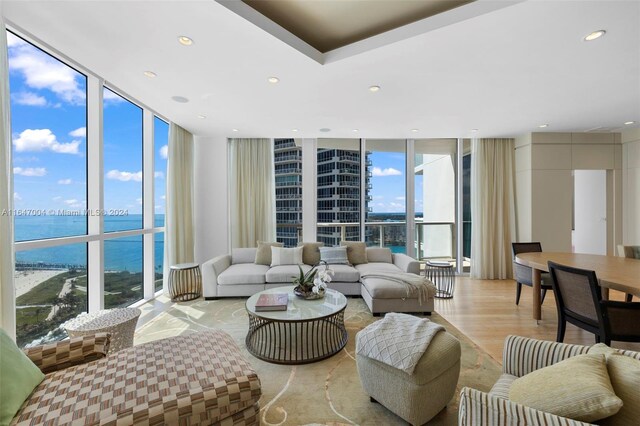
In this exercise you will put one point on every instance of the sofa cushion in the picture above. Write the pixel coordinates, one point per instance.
(344, 274)
(20, 376)
(246, 273)
(502, 386)
(197, 378)
(334, 255)
(243, 255)
(310, 253)
(286, 256)
(381, 288)
(578, 388)
(263, 253)
(372, 268)
(356, 251)
(285, 273)
(379, 254)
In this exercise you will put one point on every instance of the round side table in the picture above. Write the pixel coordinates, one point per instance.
(185, 282)
(443, 276)
(120, 323)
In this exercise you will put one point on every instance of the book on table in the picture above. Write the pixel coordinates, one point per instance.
(272, 302)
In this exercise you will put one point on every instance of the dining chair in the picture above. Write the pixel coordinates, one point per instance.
(621, 321)
(522, 273)
(631, 252)
(578, 298)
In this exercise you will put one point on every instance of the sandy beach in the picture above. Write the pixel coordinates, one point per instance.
(26, 280)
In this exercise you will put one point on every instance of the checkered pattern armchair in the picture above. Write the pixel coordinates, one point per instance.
(521, 355)
(200, 378)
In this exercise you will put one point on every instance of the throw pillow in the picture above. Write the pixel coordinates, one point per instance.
(334, 255)
(379, 255)
(19, 377)
(577, 388)
(310, 253)
(356, 252)
(286, 256)
(263, 253)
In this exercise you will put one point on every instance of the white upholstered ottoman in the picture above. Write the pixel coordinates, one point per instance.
(418, 397)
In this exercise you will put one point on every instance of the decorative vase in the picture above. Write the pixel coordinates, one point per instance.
(307, 294)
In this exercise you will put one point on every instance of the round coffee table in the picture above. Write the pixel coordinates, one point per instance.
(308, 331)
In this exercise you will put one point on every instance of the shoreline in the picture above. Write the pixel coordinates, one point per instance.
(25, 281)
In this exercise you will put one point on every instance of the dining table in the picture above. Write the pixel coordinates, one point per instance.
(618, 273)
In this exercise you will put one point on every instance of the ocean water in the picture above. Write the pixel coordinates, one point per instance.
(121, 254)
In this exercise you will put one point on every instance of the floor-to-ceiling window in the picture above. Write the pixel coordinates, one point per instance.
(161, 152)
(435, 198)
(466, 205)
(386, 219)
(57, 150)
(287, 157)
(339, 171)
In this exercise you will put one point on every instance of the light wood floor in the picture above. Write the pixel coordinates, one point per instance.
(486, 312)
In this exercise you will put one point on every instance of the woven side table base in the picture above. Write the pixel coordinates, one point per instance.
(120, 323)
(185, 282)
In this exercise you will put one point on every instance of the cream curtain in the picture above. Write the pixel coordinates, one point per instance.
(492, 208)
(7, 292)
(179, 236)
(253, 193)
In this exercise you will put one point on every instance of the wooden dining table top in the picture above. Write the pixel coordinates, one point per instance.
(618, 273)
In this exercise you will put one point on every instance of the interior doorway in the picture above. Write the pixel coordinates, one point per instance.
(589, 211)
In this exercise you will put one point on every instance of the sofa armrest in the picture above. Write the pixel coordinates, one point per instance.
(522, 355)
(77, 350)
(479, 408)
(406, 263)
(211, 269)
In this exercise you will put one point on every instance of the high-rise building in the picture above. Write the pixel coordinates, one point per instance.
(338, 193)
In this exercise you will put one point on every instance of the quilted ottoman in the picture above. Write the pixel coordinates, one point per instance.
(416, 397)
(195, 379)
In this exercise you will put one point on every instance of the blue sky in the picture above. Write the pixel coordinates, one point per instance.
(388, 183)
(48, 107)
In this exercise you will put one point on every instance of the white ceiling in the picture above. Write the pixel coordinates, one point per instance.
(503, 72)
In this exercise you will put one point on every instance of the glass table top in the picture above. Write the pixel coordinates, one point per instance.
(300, 309)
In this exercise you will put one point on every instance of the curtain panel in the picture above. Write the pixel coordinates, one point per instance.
(7, 292)
(253, 192)
(179, 236)
(492, 208)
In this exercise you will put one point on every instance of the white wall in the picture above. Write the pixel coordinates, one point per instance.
(544, 184)
(631, 186)
(211, 197)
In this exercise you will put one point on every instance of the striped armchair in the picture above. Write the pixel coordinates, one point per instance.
(521, 355)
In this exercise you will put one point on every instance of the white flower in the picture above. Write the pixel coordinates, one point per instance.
(326, 275)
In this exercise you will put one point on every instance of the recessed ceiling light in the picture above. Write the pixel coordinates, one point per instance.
(414, 130)
(542, 126)
(185, 41)
(594, 35)
(294, 130)
(627, 123)
(325, 130)
(355, 130)
(273, 80)
(374, 88)
(474, 130)
(202, 116)
(150, 74)
(180, 99)
(234, 130)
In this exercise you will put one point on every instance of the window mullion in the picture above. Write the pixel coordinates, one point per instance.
(148, 203)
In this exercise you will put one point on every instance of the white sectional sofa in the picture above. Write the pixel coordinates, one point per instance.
(237, 275)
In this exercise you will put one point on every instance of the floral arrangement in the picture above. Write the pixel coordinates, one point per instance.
(315, 281)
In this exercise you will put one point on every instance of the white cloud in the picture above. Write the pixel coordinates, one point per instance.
(400, 198)
(17, 196)
(124, 176)
(29, 99)
(30, 171)
(41, 71)
(65, 182)
(73, 203)
(378, 197)
(390, 171)
(58, 198)
(164, 151)
(139, 201)
(158, 175)
(110, 97)
(80, 132)
(163, 197)
(43, 140)
(13, 41)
